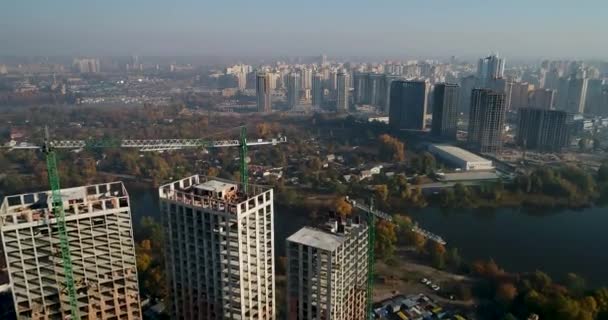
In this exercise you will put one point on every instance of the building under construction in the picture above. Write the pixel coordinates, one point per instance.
(327, 270)
(219, 248)
(100, 238)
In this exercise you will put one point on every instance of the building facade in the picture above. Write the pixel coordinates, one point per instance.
(327, 272)
(572, 94)
(219, 249)
(102, 250)
(445, 113)
(342, 90)
(263, 92)
(543, 130)
(542, 99)
(293, 90)
(317, 90)
(408, 103)
(489, 68)
(486, 120)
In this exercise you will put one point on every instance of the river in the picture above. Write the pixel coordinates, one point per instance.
(555, 241)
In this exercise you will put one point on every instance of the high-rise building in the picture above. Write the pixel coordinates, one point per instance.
(219, 249)
(520, 95)
(293, 90)
(467, 84)
(360, 84)
(503, 86)
(408, 102)
(376, 89)
(594, 102)
(445, 113)
(491, 67)
(306, 79)
(342, 90)
(388, 80)
(102, 251)
(317, 90)
(327, 272)
(486, 120)
(572, 95)
(87, 65)
(542, 99)
(542, 129)
(263, 92)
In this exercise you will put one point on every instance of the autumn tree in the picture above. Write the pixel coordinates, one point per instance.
(506, 293)
(386, 239)
(437, 252)
(391, 149)
(342, 207)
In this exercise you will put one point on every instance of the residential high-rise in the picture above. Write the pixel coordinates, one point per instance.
(572, 95)
(86, 65)
(102, 250)
(486, 120)
(594, 102)
(520, 94)
(467, 84)
(542, 99)
(317, 90)
(219, 249)
(263, 92)
(360, 84)
(491, 67)
(408, 104)
(376, 89)
(445, 113)
(543, 130)
(306, 78)
(293, 90)
(388, 80)
(327, 272)
(342, 83)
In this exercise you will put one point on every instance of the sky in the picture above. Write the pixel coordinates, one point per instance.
(515, 28)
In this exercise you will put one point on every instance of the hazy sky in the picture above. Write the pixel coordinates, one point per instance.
(516, 28)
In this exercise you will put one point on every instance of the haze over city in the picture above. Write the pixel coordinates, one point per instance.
(517, 29)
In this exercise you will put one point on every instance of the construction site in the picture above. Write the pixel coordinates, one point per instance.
(100, 240)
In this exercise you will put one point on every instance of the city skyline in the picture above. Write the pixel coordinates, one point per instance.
(432, 28)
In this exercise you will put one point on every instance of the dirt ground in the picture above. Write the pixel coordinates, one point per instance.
(405, 278)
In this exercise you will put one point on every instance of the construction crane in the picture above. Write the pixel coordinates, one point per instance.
(372, 214)
(50, 147)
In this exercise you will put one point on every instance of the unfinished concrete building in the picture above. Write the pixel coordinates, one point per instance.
(327, 272)
(100, 236)
(219, 247)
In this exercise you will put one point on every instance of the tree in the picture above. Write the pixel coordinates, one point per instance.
(506, 293)
(454, 258)
(391, 149)
(342, 207)
(437, 252)
(575, 284)
(386, 238)
(417, 240)
(382, 193)
(582, 144)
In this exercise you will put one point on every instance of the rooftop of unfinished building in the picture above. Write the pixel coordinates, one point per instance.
(328, 237)
(197, 189)
(36, 206)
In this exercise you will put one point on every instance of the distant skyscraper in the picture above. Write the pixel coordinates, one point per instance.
(542, 99)
(504, 86)
(486, 120)
(572, 95)
(445, 114)
(323, 60)
(520, 94)
(263, 92)
(491, 67)
(317, 90)
(327, 272)
(388, 80)
(544, 130)
(306, 79)
(407, 105)
(293, 90)
(375, 89)
(467, 84)
(594, 102)
(87, 65)
(360, 84)
(342, 89)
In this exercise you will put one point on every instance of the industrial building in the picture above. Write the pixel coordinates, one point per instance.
(100, 238)
(327, 272)
(460, 158)
(219, 249)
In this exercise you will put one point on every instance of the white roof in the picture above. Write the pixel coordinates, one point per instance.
(317, 238)
(215, 186)
(460, 153)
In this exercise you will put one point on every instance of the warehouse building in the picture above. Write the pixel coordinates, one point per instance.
(460, 158)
